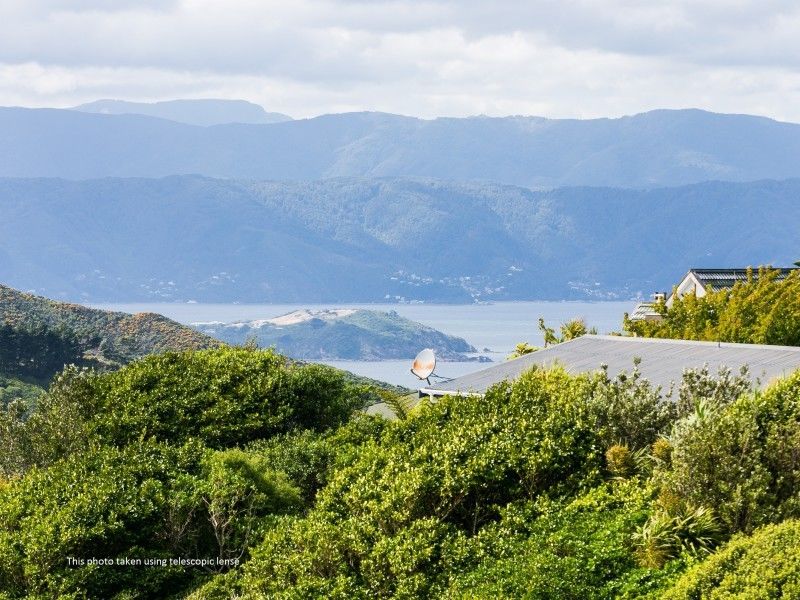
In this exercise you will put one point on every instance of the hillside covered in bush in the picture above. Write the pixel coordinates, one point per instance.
(345, 240)
(267, 476)
(39, 336)
(350, 334)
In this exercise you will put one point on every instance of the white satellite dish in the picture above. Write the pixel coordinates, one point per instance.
(424, 364)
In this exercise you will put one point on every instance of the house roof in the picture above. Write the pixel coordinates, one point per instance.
(662, 361)
(725, 278)
(644, 310)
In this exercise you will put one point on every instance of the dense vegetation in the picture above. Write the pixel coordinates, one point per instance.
(360, 335)
(555, 486)
(39, 336)
(762, 310)
(16, 389)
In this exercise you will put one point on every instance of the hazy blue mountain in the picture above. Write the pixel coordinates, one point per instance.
(345, 240)
(659, 148)
(347, 334)
(203, 112)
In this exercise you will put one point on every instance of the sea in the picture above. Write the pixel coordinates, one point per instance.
(494, 329)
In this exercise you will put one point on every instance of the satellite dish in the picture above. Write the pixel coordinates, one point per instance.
(424, 364)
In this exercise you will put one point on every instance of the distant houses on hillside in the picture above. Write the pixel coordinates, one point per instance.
(698, 282)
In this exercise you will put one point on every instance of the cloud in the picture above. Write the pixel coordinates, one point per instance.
(557, 58)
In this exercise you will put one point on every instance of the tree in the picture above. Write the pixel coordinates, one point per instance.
(761, 310)
(522, 349)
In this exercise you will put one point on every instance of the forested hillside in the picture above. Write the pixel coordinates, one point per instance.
(39, 336)
(658, 148)
(346, 240)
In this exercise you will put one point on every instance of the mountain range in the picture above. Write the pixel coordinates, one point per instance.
(185, 238)
(204, 112)
(658, 148)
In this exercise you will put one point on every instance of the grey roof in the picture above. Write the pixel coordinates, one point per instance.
(724, 278)
(663, 361)
(644, 310)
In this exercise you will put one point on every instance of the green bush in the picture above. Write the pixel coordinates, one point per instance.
(311, 458)
(671, 531)
(575, 549)
(15, 389)
(629, 411)
(764, 565)
(237, 491)
(740, 459)
(56, 428)
(224, 397)
(392, 522)
(148, 501)
(104, 503)
(620, 462)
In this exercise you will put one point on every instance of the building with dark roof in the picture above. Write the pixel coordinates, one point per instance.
(701, 281)
(662, 362)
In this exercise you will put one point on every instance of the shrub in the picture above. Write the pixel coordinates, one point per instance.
(55, 429)
(224, 397)
(572, 549)
(143, 501)
(103, 503)
(393, 521)
(311, 458)
(620, 461)
(238, 489)
(675, 529)
(662, 453)
(761, 566)
(698, 385)
(741, 459)
(629, 410)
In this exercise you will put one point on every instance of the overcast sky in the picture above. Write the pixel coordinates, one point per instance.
(557, 58)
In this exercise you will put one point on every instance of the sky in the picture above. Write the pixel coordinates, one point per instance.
(559, 58)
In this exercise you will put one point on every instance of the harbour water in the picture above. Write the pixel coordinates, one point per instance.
(494, 329)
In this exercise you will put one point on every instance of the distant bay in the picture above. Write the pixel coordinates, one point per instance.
(498, 326)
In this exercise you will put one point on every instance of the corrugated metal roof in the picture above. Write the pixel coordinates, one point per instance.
(727, 277)
(644, 310)
(663, 361)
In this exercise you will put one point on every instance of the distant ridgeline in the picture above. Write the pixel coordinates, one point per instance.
(342, 334)
(39, 336)
(657, 148)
